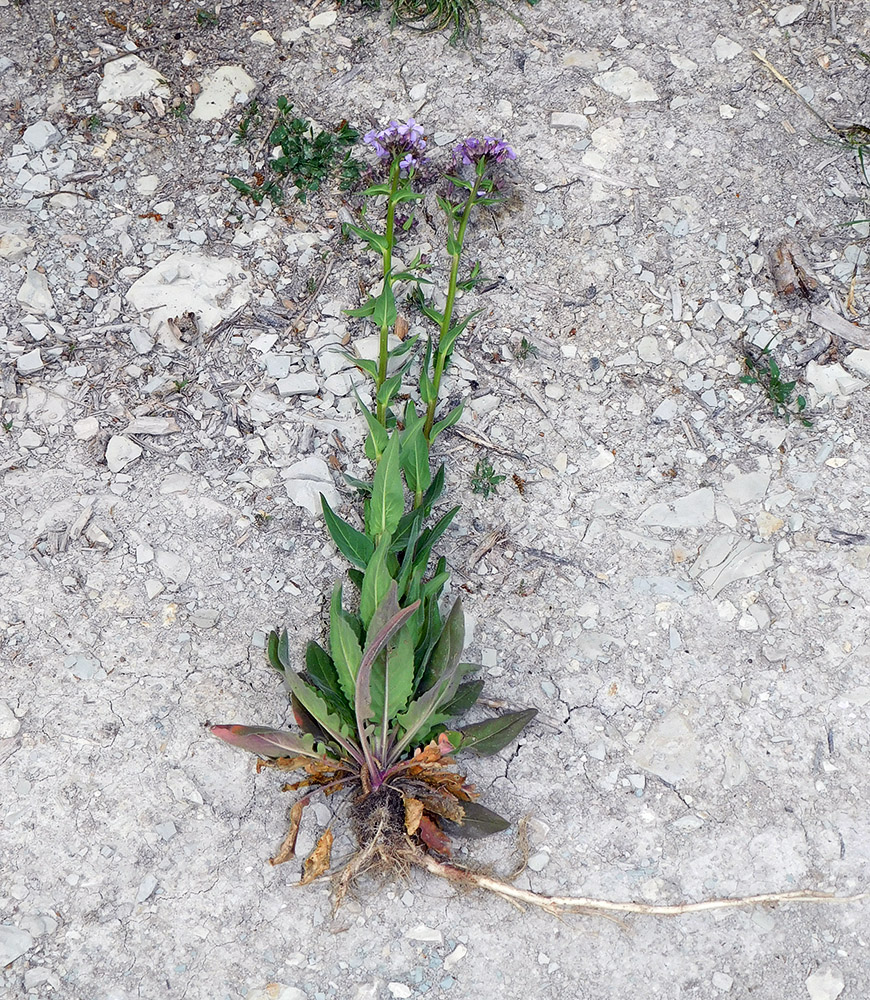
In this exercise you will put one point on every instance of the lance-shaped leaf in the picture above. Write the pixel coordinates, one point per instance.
(430, 536)
(415, 453)
(440, 681)
(388, 498)
(393, 671)
(478, 821)
(385, 312)
(314, 703)
(445, 344)
(344, 645)
(378, 438)
(363, 693)
(362, 311)
(448, 421)
(352, 544)
(266, 742)
(374, 240)
(487, 738)
(376, 581)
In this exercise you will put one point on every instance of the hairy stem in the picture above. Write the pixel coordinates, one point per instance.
(383, 354)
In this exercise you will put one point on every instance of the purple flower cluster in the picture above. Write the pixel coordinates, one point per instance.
(471, 151)
(406, 141)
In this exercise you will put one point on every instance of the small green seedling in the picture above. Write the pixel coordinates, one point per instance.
(484, 479)
(7, 425)
(206, 18)
(306, 157)
(525, 350)
(764, 371)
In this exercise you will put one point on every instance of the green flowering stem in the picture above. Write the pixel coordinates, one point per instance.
(384, 348)
(454, 245)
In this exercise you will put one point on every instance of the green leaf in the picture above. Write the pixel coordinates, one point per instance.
(389, 387)
(362, 693)
(415, 453)
(408, 552)
(441, 681)
(385, 312)
(344, 645)
(376, 581)
(376, 189)
(272, 652)
(321, 670)
(352, 544)
(445, 344)
(466, 695)
(487, 738)
(316, 706)
(442, 425)
(362, 311)
(378, 435)
(477, 821)
(392, 678)
(430, 536)
(388, 497)
(376, 242)
(358, 484)
(266, 742)
(364, 364)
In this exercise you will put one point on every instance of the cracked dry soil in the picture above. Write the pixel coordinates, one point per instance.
(677, 579)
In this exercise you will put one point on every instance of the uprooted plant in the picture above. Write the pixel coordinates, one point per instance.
(375, 706)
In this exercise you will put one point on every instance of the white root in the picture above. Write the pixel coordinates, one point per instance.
(559, 905)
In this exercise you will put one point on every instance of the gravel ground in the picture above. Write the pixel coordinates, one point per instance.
(676, 577)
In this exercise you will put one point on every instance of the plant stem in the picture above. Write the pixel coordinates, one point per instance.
(383, 354)
(441, 355)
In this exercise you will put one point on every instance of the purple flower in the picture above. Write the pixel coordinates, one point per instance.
(405, 141)
(471, 151)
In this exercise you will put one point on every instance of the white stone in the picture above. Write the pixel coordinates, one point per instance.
(417, 93)
(306, 480)
(153, 588)
(420, 932)
(212, 288)
(86, 428)
(725, 49)
(747, 487)
(298, 384)
(124, 79)
(40, 135)
(693, 510)
(627, 84)
(173, 566)
(832, 380)
(276, 991)
(14, 942)
(225, 88)
(826, 983)
(29, 439)
(9, 724)
(147, 185)
(648, 350)
(324, 20)
(262, 37)
(789, 14)
(670, 749)
(727, 558)
(35, 295)
(731, 311)
(14, 246)
(29, 363)
(121, 452)
(569, 119)
(399, 990)
(859, 361)
(726, 111)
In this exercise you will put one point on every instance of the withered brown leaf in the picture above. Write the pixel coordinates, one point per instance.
(287, 850)
(413, 815)
(319, 860)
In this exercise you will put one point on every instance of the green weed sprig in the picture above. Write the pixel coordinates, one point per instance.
(764, 371)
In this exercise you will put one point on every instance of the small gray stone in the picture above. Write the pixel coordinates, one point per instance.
(144, 554)
(29, 439)
(205, 617)
(141, 339)
(86, 429)
(278, 365)
(725, 49)
(826, 983)
(9, 724)
(298, 384)
(173, 566)
(14, 942)
(146, 888)
(35, 295)
(538, 862)
(628, 84)
(569, 119)
(167, 830)
(39, 135)
(30, 363)
(84, 667)
(789, 14)
(121, 452)
(670, 749)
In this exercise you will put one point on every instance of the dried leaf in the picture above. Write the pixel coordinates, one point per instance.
(430, 754)
(413, 815)
(433, 837)
(319, 860)
(287, 850)
(401, 328)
